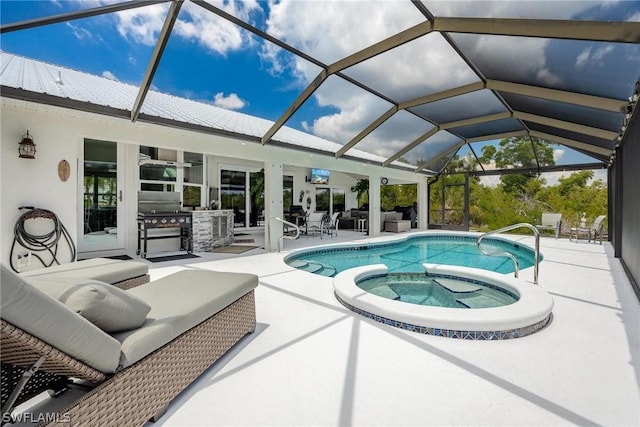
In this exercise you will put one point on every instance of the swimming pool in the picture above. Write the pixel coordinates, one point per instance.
(409, 253)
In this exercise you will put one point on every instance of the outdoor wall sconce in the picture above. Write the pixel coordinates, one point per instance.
(27, 148)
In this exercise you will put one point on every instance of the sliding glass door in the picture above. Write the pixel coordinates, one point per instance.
(243, 192)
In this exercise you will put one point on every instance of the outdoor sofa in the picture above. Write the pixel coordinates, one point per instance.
(189, 319)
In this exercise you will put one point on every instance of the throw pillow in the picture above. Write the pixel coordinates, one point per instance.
(106, 306)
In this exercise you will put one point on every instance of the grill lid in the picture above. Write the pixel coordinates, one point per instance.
(158, 201)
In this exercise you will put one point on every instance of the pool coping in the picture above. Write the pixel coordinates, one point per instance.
(527, 315)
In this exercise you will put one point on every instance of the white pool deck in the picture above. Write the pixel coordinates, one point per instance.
(311, 362)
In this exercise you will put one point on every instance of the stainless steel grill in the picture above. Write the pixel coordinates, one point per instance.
(161, 210)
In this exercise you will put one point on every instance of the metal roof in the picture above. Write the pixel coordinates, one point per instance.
(553, 70)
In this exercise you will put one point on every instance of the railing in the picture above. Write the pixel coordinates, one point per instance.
(507, 254)
(283, 235)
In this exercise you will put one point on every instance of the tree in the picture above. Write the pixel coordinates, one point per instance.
(362, 188)
(518, 152)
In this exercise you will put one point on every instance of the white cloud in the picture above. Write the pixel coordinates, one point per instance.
(558, 153)
(590, 57)
(79, 32)
(214, 33)
(583, 57)
(195, 23)
(230, 102)
(109, 75)
(142, 24)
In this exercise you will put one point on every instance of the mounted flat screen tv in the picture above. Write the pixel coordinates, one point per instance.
(319, 176)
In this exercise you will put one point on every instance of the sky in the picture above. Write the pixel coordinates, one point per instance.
(211, 60)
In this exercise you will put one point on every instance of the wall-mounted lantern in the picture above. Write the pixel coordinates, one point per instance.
(27, 148)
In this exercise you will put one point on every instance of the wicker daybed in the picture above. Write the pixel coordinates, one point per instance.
(152, 366)
(124, 274)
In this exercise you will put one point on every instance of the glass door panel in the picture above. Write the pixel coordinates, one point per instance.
(233, 189)
(322, 200)
(101, 193)
(256, 205)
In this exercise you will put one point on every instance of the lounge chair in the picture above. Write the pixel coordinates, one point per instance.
(595, 230)
(194, 317)
(551, 222)
(120, 273)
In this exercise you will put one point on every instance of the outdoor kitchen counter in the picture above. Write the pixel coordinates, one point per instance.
(211, 229)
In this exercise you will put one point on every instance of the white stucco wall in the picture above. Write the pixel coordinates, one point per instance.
(59, 132)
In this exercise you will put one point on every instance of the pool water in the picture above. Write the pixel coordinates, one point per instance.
(421, 289)
(408, 255)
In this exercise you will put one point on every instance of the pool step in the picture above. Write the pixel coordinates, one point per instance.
(385, 291)
(314, 267)
(298, 263)
(482, 300)
(457, 286)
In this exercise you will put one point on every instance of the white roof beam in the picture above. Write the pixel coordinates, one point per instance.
(572, 143)
(444, 154)
(382, 46)
(602, 31)
(450, 93)
(497, 136)
(297, 103)
(570, 126)
(476, 120)
(414, 144)
(353, 59)
(366, 131)
(599, 102)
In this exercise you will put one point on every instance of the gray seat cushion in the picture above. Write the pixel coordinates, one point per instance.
(51, 321)
(102, 269)
(179, 302)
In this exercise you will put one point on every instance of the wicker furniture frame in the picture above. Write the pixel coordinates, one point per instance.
(142, 391)
(133, 282)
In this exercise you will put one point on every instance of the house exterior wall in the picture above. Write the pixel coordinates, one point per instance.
(59, 133)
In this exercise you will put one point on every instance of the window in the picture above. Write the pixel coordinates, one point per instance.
(287, 192)
(192, 189)
(158, 176)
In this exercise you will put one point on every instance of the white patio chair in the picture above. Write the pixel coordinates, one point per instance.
(594, 230)
(551, 222)
(331, 224)
(315, 223)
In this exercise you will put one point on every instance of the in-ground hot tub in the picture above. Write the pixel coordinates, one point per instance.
(529, 312)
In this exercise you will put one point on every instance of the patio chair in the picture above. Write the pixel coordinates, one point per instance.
(551, 222)
(131, 375)
(331, 224)
(594, 230)
(315, 223)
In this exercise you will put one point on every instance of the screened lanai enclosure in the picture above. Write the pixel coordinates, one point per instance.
(404, 85)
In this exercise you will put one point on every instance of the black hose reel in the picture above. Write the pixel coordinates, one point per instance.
(44, 246)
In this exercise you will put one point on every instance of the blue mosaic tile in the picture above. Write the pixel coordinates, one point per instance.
(468, 335)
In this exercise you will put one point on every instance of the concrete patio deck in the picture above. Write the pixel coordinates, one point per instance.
(312, 362)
